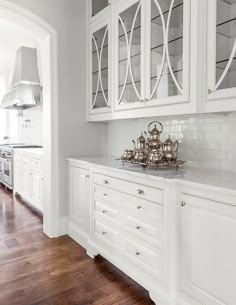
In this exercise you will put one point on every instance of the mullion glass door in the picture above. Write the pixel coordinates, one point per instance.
(225, 46)
(130, 55)
(98, 6)
(100, 69)
(166, 49)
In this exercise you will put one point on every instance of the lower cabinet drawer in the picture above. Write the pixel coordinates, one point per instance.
(139, 190)
(107, 211)
(143, 230)
(107, 194)
(146, 257)
(107, 236)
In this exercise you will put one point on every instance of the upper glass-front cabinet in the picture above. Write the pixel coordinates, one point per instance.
(166, 53)
(100, 69)
(152, 52)
(221, 49)
(98, 6)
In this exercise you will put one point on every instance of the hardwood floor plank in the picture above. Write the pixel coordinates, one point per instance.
(36, 270)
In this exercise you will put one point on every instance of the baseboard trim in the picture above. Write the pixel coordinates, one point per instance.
(75, 232)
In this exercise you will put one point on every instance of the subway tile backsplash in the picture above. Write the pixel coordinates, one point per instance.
(207, 141)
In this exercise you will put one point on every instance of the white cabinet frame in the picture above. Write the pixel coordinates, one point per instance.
(96, 27)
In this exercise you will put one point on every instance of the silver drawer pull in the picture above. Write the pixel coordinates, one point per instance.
(106, 182)
(138, 253)
(140, 192)
(183, 203)
(105, 195)
(104, 233)
(138, 227)
(87, 176)
(139, 207)
(104, 212)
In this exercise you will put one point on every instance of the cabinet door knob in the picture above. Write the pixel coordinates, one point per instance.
(105, 195)
(106, 182)
(138, 227)
(87, 176)
(138, 253)
(104, 212)
(183, 203)
(140, 192)
(139, 207)
(104, 233)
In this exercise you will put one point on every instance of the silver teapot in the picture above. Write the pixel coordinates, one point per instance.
(170, 150)
(154, 141)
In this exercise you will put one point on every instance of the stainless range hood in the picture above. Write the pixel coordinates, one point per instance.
(25, 91)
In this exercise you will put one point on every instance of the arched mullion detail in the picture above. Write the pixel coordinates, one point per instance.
(128, 55)
(167, 49)
(164, 50)
(100, 66)
(227, 67)
(97, 52)
(130, 50)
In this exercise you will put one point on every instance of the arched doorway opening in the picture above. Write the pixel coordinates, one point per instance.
(48, 45)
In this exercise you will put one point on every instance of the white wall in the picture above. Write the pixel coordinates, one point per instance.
(31, 132)
(207, 141)
(76, 137)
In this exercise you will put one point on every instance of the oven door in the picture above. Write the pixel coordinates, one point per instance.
(6, 170)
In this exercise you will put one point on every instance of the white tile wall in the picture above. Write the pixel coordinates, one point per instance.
(208, 141)
(33, 133)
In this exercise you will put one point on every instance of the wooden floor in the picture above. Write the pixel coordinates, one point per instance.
(36, 270)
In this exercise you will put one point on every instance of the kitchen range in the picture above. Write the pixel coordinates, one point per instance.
(6, 162)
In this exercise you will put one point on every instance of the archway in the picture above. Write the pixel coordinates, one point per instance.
(48, 45)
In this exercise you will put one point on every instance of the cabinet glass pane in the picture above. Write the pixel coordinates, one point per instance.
(166, 54)
(226, 44)
(130, 54)
(100, 68)
(98, 6)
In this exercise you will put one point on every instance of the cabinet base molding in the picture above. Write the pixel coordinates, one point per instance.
(77, 234)
(145, 280)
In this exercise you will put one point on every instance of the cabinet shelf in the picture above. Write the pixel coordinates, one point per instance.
(226, 29)
(157, 49)
(166, 12)
(99, 92)
(96, 72)
(99, 50)
(230, 2)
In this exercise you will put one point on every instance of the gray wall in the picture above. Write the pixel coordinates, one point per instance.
(76, 137)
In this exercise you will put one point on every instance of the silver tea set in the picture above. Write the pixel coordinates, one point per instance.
(150, 150)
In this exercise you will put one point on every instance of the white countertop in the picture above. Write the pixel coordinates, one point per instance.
(31, 152)
(215, 178)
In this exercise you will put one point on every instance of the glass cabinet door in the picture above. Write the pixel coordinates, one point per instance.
(222, 48)
(100, 69)
(98, 5)
(129, 57)
(166, 60)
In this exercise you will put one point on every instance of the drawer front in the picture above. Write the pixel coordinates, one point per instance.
(107, 211)
(106, 194)
(106, 235)
(149, 211)
(134, 189)
(144, 256)
(36, 164)
(143, 230)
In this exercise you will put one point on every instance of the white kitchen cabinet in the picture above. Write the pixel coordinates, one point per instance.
(28, 179)
(152, 53)
(129, 25)
(79, 206)
(221, 46)
(98, 8)
(208, 250)
(100, 69)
